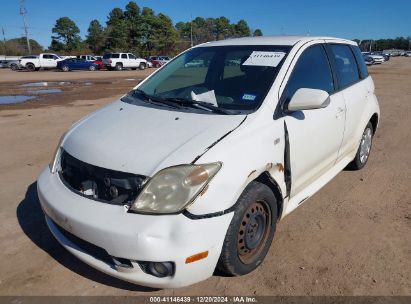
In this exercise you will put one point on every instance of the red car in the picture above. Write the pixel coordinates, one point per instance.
(100, 63)
(158, 61)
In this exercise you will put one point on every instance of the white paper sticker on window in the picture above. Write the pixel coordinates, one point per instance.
(258, 58)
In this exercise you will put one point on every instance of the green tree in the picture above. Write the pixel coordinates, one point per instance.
(95, 37)
(18, 47)
(133, 19)
(258, 33)
(117, 31)
(67, 35)
(242, 29)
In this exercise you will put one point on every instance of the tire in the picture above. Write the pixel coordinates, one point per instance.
(119, 66)
(30, 67)
(92, 68)
(364, 150)
(142, 66)
(158, 65)
(65, 68)
(14, 67)
(251, 231)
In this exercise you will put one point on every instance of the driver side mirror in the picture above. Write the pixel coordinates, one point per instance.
(308, 99)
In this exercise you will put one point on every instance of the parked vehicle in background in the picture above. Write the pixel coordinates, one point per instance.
(378, 59)
(408, 54)
(87, 57)
(120, 61)
(100, 63)
(6, 63)
(42, 61)
(368, 60)
(194, 168)
(386, 56)
(158, 61)
(76, 64)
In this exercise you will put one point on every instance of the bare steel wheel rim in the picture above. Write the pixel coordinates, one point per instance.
(365, 146)
(254, 231)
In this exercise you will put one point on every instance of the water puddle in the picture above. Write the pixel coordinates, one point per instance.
(45, 91)
(44, 84)
(10, 99)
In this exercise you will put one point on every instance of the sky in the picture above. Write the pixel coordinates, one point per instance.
(362, 19)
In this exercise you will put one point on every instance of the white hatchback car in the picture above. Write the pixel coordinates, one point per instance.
(193, 168)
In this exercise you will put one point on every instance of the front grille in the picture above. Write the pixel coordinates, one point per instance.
(91, 249)
(105, 185)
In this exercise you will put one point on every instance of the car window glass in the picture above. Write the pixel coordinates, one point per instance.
(312, 71)
(124, 56)
(115, 55)
(346, 65)
(131, 56)
(360, 60)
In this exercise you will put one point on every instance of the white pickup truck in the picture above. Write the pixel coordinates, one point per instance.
(120, 61)
(42, 61)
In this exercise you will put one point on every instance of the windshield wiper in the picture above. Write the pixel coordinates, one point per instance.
(155, 99)
(197, 104)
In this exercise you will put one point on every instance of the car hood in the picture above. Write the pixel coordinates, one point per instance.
(143, 140)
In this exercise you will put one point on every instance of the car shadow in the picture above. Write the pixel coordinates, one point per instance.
(31, 219)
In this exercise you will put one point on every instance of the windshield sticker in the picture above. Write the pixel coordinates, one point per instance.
(259, 58)
(248, 97)
(207, 97)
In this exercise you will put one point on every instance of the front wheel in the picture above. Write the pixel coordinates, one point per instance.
(251, 231)
(65, 68)
(30, 67)
(364, 149)
(92, 68)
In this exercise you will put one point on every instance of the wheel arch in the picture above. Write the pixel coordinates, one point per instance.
(266, 179)
(374, 120)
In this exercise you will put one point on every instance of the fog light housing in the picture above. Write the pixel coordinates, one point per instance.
(158, 269)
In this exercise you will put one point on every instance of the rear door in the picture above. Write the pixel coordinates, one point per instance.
(314, 135)
(355, 91)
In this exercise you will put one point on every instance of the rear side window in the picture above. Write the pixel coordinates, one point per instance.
(115, 55)
(347, 70)
(312, 71)
(360, 60)
(124, 56)
(107, 56)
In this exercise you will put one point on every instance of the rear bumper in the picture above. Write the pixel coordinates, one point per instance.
(135, 237)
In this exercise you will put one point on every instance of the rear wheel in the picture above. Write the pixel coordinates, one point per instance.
(30, 67)
(14, 67)
(251, 231)
(364, 149)
(119, 66)
(65, 68)
(142, 66)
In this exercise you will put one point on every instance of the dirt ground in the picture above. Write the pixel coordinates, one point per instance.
(351, 238)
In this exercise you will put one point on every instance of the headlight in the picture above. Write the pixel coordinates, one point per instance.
(173, 188)
(56, 155)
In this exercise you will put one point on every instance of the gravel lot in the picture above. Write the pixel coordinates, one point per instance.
(351, 238)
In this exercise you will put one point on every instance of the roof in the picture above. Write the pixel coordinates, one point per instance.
(269, 40)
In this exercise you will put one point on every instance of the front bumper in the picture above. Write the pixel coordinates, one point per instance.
(137, 237)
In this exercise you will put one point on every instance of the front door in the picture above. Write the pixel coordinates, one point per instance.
(314, 135)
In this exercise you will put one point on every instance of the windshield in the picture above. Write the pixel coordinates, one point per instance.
(233, 79)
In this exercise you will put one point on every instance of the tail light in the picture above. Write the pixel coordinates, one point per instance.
(110, 61)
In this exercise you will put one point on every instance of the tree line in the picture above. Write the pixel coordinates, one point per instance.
(143, 32)
(401, 43)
